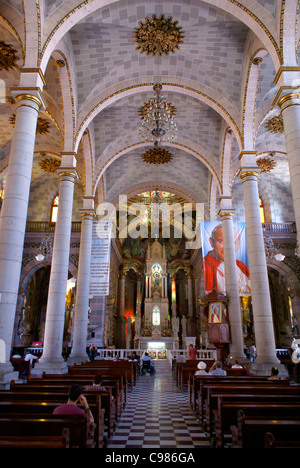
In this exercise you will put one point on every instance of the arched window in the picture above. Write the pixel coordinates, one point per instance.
(54, 209)
(262, 211)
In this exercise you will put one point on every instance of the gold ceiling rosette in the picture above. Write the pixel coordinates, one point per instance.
(158, 35)
(48, 164)
(8, 56)
(275, 124)
(266, 164)
(157, 155)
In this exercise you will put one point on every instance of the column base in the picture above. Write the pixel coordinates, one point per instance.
(50, 367)
(7, 374)
(264, 368)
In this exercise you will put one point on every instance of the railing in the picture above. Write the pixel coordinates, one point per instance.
(201, 354)
(268, 228)
(279, 228)
(45, 226)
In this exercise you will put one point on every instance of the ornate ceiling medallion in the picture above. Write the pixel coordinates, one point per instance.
(158, 36)
(275, 124)
(157, 155)
(266, 164)
(8, 56)
(43, 126)
(49, 165)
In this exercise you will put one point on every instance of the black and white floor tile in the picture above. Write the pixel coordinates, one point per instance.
(158, 415)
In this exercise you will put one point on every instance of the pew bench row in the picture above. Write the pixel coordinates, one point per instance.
(225, 405)
(26, 409)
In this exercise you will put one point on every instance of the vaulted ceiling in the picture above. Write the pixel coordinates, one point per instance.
(97, 79)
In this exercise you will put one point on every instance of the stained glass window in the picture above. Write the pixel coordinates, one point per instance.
(54, 209)
(262, 211)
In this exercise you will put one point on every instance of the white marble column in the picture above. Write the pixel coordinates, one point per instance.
(290, 111)
(232, 291)
(13, 218)
(79, 339)
(52, 360)
(261, 302)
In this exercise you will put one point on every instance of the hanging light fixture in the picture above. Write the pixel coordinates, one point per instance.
(46, 248)
(157, 119)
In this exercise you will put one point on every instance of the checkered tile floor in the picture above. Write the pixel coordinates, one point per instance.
(158, 415)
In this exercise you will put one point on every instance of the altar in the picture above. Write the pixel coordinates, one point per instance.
(155, 332)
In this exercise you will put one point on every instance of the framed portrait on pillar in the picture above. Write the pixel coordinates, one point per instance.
(215, 312)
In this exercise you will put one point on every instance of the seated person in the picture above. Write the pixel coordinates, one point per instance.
(30, 357)
(236, 365)
(274, 374)
(181, 357)
(97, 385)
(135, 356)
(146, 359)
(76, 397)
(216, 369)
(201, 368)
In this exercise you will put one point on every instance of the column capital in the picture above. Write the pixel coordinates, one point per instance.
(32, 94)
(87, 214)
(249, 173)
(287, 80)
(67, 173)
(289, 99)
(67, 169)
(226, 213)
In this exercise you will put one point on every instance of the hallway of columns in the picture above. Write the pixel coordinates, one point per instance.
(158, 415)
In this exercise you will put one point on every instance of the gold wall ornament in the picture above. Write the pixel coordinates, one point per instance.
(8, 57)
(158, 35)
(275, 124)
(157, 155)
(266, 164)
(42, 127)
(49, 165)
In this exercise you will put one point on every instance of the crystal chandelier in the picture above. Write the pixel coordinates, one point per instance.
(46, 248)
(157, 119)
(157, 205)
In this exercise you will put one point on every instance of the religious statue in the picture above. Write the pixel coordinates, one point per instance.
(296, 351)
(137, 324)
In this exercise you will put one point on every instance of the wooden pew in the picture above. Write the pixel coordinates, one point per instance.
(271, 442)
(251, 431)
(130, 367)
(114, 383)
(184, 369)
(270, 390)
(62, 441)
(227, 414)
(197, 384)
(100, 403)
(21, 366)
(103, 371)
(43, 424)
(41, 405)
(208, 387)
